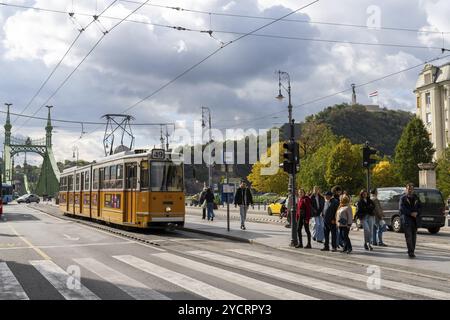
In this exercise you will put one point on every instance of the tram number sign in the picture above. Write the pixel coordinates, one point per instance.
(158, 154)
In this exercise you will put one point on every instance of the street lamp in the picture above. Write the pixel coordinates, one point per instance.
(291, 186)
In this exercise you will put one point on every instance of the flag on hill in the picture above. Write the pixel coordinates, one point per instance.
(373, 94)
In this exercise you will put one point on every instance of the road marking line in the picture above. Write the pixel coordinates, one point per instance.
(198, 287)
(60, 278)
(132, 287)
(360, 263)
(86, 245)
(10, 288)
(302, 280)
(388, 284)
(244, 281)
(38, 251)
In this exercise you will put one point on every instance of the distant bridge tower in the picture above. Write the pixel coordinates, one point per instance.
(48, 182)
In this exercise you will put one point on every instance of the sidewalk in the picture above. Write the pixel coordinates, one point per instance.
(433, 257)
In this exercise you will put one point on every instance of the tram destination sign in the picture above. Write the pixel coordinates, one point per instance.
(158, 154)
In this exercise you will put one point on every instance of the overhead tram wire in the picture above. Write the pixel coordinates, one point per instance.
(84, 122)
(205, 59)
(273, 36)
(84, 59)
(235, 15)
(336, 93)
(63, 57)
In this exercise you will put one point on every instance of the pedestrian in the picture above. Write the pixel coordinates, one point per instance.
(365, 212)
(317, 201)
(329, 221)
(380, 225)
(344, 219)
(337, 194)
(201, 201)
(410, 207)
(243, 198)
(209, 197)
(303, 217)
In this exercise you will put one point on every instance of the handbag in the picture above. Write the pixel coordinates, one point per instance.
(342, 221)
(204, 204)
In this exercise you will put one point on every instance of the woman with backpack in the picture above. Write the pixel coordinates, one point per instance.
(344, 219)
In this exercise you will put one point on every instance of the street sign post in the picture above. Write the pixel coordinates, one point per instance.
(228, 158)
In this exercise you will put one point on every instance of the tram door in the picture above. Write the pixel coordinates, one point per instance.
(129, 215)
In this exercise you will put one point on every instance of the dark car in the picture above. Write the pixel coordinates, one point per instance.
(433, 208)
(28, 198)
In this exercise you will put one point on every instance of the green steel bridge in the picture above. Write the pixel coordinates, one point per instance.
(48, 183)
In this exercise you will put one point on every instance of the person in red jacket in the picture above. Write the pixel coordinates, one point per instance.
(303, 215)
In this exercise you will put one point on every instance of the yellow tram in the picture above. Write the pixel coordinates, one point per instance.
(133, 188)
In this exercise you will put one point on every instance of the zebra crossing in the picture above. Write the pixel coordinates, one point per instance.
(237, 274)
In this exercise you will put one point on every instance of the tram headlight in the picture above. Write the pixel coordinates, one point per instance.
(168, 209)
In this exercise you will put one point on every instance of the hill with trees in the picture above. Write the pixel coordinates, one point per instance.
(381, 128)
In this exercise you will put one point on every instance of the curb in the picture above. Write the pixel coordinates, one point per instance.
(218, 235)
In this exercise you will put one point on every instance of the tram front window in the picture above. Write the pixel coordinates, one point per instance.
(166, 176)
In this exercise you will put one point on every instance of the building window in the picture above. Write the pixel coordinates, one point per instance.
(427, 78)
(428, 99)
(428, 118)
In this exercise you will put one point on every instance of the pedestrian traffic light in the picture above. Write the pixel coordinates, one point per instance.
(291, 157)
(367, 152)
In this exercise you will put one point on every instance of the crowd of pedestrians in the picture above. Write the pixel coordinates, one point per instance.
(333, 216)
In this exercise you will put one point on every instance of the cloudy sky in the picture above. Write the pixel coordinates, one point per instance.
(238, 84)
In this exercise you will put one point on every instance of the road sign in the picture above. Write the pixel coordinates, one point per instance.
(216, 187)
(228, 188)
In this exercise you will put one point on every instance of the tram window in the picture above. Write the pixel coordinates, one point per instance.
(144, 175)
(86, 180)
(131, 173)
(95, 179)
(102, 178)
(119, 181)
(77, 182)
(70, 183)
(166, 176)
(113, 175)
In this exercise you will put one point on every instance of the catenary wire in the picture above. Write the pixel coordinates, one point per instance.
(62, 58)
(84, 59)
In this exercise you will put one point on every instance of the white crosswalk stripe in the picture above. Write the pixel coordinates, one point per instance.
(67, 286)
(306, 281)
(430, 293)
(132, 287)
(244, 281)
(10, 288)
(201, 288)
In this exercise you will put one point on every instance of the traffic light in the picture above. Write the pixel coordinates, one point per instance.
(291, 157)
(367, 160)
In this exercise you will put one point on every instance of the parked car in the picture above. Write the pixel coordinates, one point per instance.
(277, 207)
(28, 198)
(433, 208)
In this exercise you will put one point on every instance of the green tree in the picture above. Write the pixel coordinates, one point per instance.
(344, 166)
(443, 174)
(413, 147)
(313, 168)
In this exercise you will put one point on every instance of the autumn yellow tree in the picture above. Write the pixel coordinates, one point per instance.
(269, 183)
(384, 175)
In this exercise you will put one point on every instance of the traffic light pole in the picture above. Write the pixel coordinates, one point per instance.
(294, 240)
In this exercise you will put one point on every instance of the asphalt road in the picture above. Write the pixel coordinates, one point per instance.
(44, 257)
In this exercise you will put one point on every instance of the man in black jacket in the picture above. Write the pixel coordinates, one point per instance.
(329, 219)
(409, 207)
(318, 202)
(243, 198)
